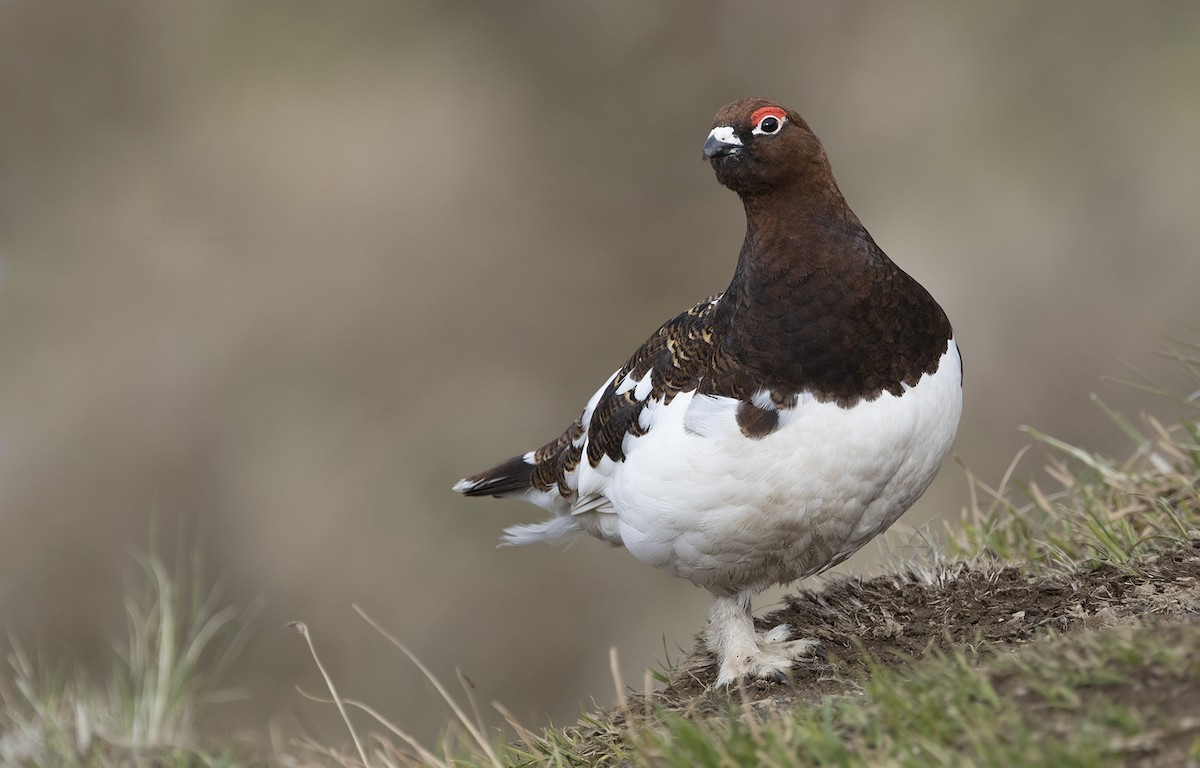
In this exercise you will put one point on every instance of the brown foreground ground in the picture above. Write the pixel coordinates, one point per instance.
(1124, 638)
(896, 619)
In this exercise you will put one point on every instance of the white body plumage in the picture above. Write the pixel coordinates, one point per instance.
(696, 497)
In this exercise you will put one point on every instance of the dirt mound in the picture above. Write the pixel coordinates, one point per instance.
(894, 619)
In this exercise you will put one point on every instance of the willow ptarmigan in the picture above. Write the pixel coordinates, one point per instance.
(771, 430)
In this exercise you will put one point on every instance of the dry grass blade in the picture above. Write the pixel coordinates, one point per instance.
(469, 688)
(428, 757)
(523, 733)
(300, 627)
(618, 683)
(475, 731)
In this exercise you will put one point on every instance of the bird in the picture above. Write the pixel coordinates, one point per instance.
(771, 430)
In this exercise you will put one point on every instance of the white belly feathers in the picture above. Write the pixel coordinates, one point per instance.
(699, 499)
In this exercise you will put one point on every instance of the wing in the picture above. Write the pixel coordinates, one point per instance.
(673, 360)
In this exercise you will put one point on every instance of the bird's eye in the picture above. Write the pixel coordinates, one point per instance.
(768, 125)
(768, 121)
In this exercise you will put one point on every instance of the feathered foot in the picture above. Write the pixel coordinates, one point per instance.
(743, 652)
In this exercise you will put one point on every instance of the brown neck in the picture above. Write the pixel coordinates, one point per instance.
(792, 234)
(814, 196)
(810, 287)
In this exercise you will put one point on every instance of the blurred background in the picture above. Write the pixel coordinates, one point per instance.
(274, 275)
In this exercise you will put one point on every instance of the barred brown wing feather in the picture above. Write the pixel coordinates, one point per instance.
(677, 357)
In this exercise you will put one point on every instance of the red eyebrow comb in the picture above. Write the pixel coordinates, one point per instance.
(761, 112)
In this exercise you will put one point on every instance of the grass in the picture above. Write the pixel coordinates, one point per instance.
(1102, 510)
(1086, 699)
(1062, 702)
(178, 645)
(1110, 680)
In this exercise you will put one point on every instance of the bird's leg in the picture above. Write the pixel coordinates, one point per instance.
(731, 636)
(743, 652)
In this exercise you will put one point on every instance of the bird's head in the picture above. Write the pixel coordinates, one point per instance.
(757, 146)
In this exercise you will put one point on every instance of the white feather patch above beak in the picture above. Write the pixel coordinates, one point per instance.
(725, 135)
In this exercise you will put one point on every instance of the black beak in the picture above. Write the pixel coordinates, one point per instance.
(714, 147)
